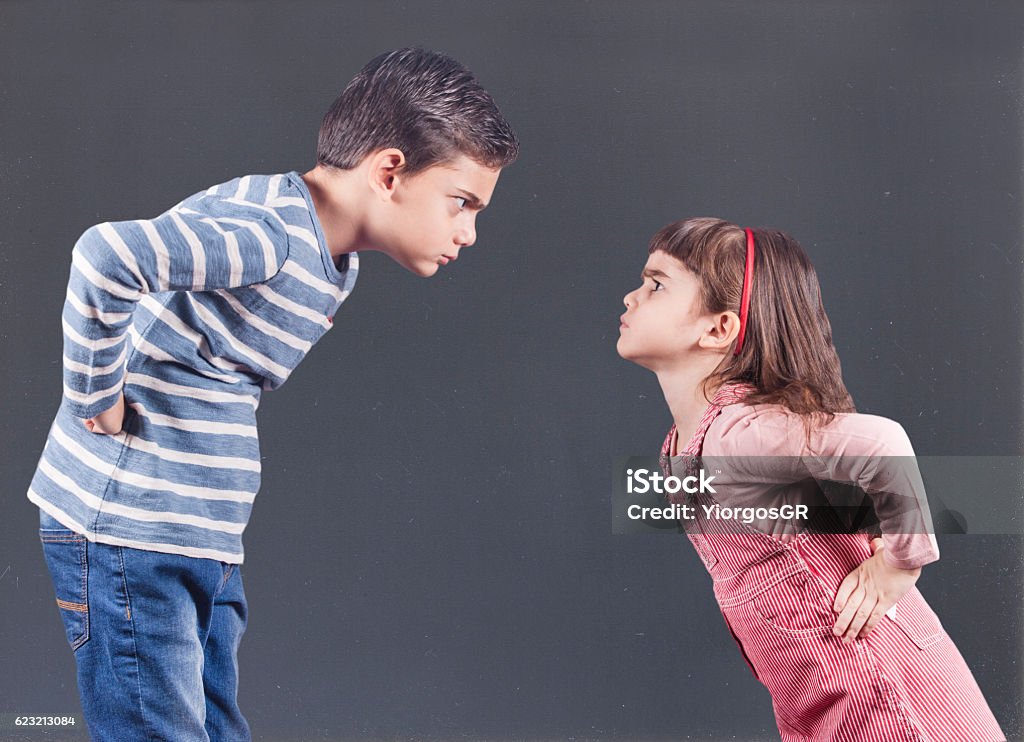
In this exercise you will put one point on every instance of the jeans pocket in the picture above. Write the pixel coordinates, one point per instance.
(66, 558)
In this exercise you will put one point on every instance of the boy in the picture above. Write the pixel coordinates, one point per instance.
(172, 328)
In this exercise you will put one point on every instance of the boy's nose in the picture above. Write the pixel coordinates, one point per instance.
(466, 237)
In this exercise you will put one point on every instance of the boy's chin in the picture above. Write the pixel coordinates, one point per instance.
(421, 268)
(426, 270)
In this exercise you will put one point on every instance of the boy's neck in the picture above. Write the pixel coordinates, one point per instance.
(684, 394)
(337, 197)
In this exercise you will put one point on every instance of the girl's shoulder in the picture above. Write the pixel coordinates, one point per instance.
(775, 430)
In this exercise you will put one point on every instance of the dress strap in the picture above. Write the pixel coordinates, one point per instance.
(727, 394)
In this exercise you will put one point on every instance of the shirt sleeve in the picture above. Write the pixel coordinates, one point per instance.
(207, 242)
(872, 452)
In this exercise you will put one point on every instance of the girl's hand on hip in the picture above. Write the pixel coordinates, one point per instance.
(108, 422)
(868, 592)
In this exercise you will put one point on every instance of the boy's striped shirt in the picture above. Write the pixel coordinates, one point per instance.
(193, 314)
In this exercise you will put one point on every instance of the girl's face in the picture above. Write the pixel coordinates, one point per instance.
(662, 322)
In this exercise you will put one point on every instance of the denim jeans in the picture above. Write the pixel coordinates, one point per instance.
(155, 638)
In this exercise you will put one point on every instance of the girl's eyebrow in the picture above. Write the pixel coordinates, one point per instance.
(474, 202)
(654, 273)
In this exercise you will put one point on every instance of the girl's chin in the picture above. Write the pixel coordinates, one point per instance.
(627, 355)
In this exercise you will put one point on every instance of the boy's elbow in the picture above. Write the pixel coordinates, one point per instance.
(97, 258)
(90, 243)
(92, 252)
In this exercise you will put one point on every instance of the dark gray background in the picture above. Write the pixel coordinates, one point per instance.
(430, 555)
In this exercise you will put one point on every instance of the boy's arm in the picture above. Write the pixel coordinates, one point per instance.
(208, 242)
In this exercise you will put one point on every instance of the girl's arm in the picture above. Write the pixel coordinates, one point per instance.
(767, 444)
(875, 454)
(870, 451)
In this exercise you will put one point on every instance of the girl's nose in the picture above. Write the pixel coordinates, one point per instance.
(625, 300)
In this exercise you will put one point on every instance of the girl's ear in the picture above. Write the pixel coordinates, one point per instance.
(722, 330)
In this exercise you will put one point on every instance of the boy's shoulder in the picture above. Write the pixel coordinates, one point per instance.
(268, 192)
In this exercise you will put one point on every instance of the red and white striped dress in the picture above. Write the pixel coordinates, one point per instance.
(905, 681)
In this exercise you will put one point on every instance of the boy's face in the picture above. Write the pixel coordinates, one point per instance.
(431, 215)
(662, 322)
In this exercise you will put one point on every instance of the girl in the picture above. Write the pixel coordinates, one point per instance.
(732, 323)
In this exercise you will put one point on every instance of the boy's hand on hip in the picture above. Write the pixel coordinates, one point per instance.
(868, 592)
(108, 422)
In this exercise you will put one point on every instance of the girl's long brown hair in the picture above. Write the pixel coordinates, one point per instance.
(787, 352)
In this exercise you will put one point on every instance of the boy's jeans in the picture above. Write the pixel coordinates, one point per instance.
(155, 637)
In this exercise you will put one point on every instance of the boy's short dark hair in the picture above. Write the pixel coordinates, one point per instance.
(426, 104)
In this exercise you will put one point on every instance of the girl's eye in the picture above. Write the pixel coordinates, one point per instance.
(657, 286)
(461, 202)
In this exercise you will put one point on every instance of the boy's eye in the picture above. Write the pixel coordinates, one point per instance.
(657, 286)
(461, 202)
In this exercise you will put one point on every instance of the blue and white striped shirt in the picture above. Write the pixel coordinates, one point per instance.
(193, 314)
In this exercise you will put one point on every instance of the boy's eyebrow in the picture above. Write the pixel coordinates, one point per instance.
(475, 202)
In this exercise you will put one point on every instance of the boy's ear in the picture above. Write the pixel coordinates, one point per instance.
(384, 171)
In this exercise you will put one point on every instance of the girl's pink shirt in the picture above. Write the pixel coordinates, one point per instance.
(767, 443)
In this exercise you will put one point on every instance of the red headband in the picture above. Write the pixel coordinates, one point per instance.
(748, 278)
